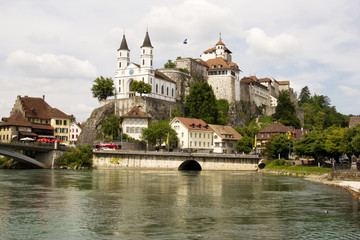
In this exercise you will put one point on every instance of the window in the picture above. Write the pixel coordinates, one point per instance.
(208, 144)
(132, 130)
(58, 122)
(137, 130)
(204, 144)
(199, 135)
(182, 134)
(208, 135)
(127, 129)
(143, 61)
(217, 144)
(167, 91)
(128, 121)
(191, 135)
(162, 89)
(77, 130)
(172, 92)
(150, 80)
(77, 136)
(182, 143)
(120, 63)
(143, 50)
(72, 136)
(195, 135)
(195, 143)
(199, 144)
(156, 88)
(65, 122)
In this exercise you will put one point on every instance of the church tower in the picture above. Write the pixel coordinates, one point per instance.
(220, 49)
(123, 54)
(146, 57)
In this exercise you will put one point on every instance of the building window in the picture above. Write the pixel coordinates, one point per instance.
(143, 61)
(172, 92)
(137, 130)
(195, 135)
(58, 122)
(127, 129)
(65, 122)
(167, 91)
(190, 143)
(191, 135)
(162, 89)
(77, 130)
(199, 135)
(182, 134)
(132, 130)
(72, 136)
(195, 143)
(208, 144)
(119, 89)
(120, 63)
(156, 88)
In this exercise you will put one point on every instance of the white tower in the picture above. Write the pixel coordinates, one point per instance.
(220, 49)
(146, 57)
(123, 54)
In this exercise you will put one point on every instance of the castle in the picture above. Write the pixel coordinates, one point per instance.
(170, 86)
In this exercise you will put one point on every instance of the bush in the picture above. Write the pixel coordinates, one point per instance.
(278, 162)
(80, 156)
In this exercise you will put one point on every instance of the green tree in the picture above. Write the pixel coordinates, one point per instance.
(311, 144)
(334, 138)
(157, 133)
(285, 112)
(102, 88)
(169, 64)
(111, 127)
(278, 144)
(80, 156)
(245, 144)
(222, 106)
(140, 87)
(201, 103)
(304, 96)
(176, 112)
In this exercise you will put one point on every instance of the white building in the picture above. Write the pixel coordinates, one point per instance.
(223, 74)
(193, 134)
(75, 130)
(134, 122)
(225, 138)
(162, 87)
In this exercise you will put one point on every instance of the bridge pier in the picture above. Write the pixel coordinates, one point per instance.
(49, 158)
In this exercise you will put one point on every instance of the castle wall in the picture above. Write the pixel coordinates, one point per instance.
(223, 87)
(195, 68)
(181, 78)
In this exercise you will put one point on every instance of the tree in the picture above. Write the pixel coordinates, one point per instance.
(111, 127)
(222, 106)
(201, 103)
(311, 144)
(103, 88)
(157, 133)
(176, 112)
(169, 64)
(278, 144)
(245, 144)
(140, 87)
(304, 96)
(80, 156)
(285, 111)
(334, 138)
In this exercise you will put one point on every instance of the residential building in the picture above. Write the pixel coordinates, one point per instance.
(193, 134)
(223, 74)
(162, 87)
(43, 120)
(133, 122)
(75, 130)
(225, 138)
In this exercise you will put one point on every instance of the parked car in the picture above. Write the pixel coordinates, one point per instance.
(344, 160)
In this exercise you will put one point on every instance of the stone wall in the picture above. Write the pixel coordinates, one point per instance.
(181, 78)
(197, 70)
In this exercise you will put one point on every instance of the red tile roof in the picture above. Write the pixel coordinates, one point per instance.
(194, 124)
(220, 63)
(283, 82)
(135, 112)
(17, 119)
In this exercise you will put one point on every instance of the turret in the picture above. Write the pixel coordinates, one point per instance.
(146, 57)
(123, 54)
(220, 49)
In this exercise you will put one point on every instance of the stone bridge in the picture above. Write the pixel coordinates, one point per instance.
(45, 154)
(174, 160)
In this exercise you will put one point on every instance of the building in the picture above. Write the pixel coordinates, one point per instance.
(133, 122)
(75, 130)
(354, 121)
(268, 132)
(33, 117)
(194, 134)
(225, 139)
(223, 74)
(256, 92)
(162, 87)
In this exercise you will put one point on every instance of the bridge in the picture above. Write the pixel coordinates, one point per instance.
(45, 154)
(174, 160)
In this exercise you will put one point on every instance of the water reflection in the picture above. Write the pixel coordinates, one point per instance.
(140, 204)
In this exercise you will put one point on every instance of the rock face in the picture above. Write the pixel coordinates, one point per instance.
(93, 124)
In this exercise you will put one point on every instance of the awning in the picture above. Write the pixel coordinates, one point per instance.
(28, 134)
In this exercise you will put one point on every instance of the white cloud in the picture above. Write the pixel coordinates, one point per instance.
(50, 65)
(349, 91)
(281, 45)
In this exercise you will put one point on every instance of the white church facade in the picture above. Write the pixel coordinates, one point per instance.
(162, 87)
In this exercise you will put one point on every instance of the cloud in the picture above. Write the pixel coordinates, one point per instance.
(49, 65)
(349, 91)
(282, 45)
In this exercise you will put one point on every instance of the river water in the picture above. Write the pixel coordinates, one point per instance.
(144, 204)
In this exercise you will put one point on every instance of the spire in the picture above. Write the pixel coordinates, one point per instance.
(220, 42)
(123, 45)
(147, 42)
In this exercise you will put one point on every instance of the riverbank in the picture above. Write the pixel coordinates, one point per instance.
(320, 176)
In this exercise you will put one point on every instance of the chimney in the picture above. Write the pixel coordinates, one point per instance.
(44, 97)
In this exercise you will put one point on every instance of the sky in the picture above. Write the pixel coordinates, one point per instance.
(58, 48)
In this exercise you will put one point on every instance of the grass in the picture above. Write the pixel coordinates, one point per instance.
(300, 169)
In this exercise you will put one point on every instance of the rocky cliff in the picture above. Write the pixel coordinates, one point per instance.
(93, 125)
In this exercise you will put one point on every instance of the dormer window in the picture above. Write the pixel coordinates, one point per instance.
(219, 66)
(213, 66)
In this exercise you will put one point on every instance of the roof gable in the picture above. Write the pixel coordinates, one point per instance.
(17, 119)
(220, 63)
(226, 132)
(135, 112)
(193, 124)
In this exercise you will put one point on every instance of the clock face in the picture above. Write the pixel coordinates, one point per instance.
(131, 72)
(151, 71)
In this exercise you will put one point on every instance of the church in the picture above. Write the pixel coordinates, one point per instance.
(162, 87)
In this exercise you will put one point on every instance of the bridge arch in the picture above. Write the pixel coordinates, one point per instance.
(190, 165)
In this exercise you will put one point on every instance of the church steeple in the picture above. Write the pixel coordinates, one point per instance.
(147, 42)
(123, 54)
(146, 57)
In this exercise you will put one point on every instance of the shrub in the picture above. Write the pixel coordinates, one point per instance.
(80, 156)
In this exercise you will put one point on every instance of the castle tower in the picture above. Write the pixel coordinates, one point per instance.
(146, 57)
(123, 54)
(220, 49)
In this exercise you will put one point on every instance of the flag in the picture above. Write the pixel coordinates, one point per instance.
(255, 142)
(185, 41)
(289, 136)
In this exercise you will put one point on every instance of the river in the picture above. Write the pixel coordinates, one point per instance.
(151, 204)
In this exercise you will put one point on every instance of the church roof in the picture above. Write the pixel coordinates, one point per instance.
(220, 63)
(135, 112)
(160, 75)
(123, 45)
(147, 42)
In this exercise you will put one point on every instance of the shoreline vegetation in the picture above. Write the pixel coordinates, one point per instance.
(314, 174)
